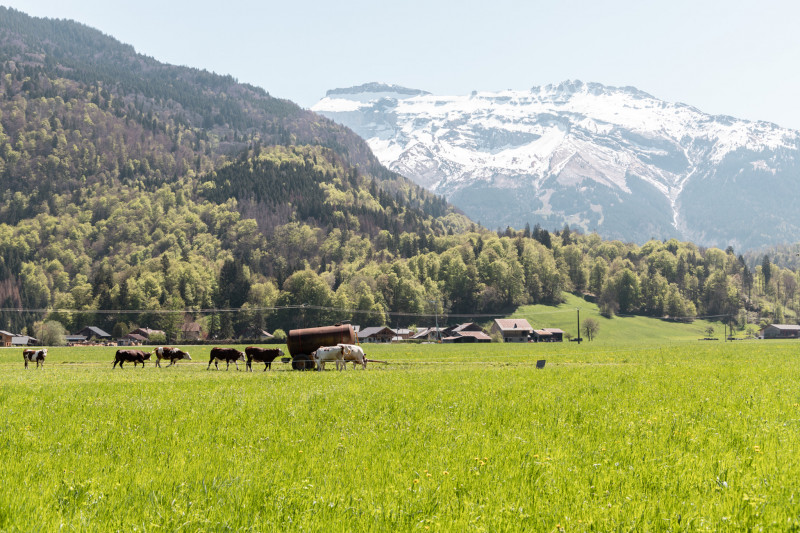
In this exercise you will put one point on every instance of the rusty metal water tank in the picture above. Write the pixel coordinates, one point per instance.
(305, 341)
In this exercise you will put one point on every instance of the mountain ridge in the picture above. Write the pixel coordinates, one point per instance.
(574, 153)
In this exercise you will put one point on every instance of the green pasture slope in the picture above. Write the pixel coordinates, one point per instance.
(686, 436)
(616, 330)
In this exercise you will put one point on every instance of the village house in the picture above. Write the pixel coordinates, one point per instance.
(24, 340)
(191, 331)
(71, 340)
(781, 331)
(91, 332)
(376, 334)
(147, 332)
(512, 329)
(6, 338)
(466, 332)
(428, 334)
(547, 335)
(132, 339)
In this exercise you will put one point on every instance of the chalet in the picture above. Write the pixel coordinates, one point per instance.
(147, 332)
(467, 332)
(191, 331)
(24, 340)
(428, 334)
(376, 334)
(132, 339)
(91, 332)
(512, 329)
(401, 334)
(6, 338)
(781, 331)
(547, 335)
(74, 339)
(467, 336)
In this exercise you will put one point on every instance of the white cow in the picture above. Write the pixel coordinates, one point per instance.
(355, 354)
(34, 356)
(329, 353)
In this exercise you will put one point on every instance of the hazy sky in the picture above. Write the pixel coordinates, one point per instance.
(732, 57)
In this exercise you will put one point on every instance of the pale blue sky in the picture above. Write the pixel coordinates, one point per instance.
(739, 58)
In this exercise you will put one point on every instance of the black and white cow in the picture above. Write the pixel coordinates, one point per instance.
(227, 355)
(34, 356)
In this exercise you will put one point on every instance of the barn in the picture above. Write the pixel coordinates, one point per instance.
(781, 331)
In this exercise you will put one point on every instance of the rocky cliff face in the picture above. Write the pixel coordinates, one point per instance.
(614, 160)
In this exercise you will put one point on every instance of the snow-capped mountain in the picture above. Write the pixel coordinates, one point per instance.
(614, 160)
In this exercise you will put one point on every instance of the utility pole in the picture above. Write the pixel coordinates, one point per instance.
(436, 316)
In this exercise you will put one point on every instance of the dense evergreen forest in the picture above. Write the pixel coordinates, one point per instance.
(134, 188)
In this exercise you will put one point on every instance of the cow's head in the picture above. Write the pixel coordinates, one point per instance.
(186, 356)
(241, 356)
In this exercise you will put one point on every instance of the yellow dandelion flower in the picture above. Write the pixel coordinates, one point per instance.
(445, 473)
(416, 481)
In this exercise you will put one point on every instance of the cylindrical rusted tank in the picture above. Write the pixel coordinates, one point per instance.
(305, 341)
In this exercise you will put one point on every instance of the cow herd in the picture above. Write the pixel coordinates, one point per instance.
(340, 354)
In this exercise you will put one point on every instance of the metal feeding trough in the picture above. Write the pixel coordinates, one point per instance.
(540, 363)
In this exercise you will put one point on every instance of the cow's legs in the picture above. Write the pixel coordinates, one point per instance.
(26, 363)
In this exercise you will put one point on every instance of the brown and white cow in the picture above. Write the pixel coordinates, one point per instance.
(34, 356)
(173, 354)
(219, 355)
(329, 353)
(128, 356)
(354, 353)
(261, 355)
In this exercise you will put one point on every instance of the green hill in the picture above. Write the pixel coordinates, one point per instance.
(639, 330)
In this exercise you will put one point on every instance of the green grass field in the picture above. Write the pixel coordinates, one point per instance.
(676, 436)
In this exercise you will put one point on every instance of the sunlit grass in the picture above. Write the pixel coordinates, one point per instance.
(695, 436)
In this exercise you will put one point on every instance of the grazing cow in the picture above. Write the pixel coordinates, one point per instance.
(34, 356)
(354, 353)
(127, 356)
(329, 353)
(303, 361)
(225, 354)
(173, 354)
(261, 355)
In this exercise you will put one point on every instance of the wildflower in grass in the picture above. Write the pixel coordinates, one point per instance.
(428, 475)
(416, 481)
(445, 473)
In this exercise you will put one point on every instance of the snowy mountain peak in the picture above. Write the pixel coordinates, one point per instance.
(612, 159)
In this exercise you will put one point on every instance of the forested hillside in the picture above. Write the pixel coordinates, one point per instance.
(130, 188)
